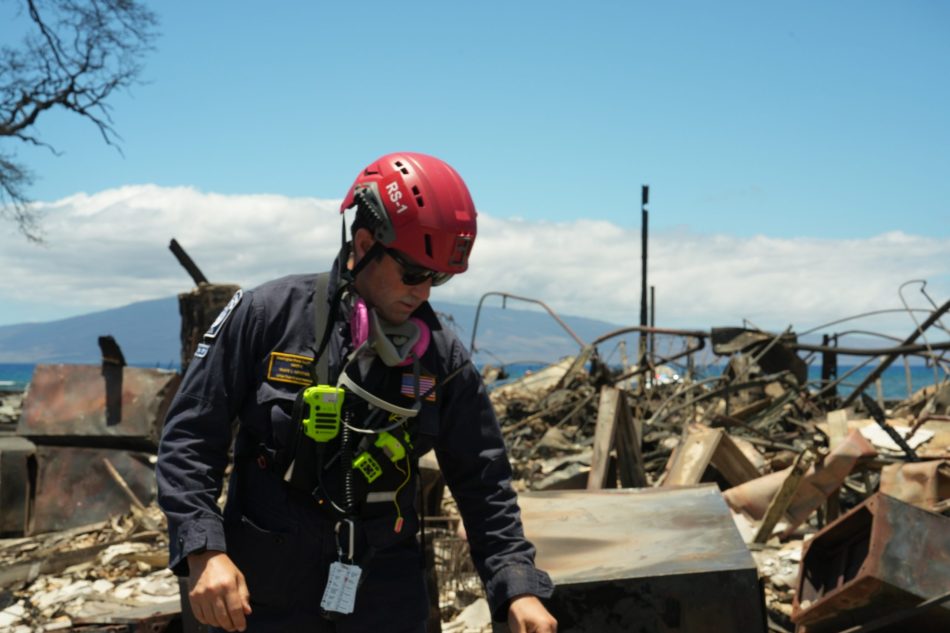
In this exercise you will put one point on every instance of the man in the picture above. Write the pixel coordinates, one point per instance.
(339, 383)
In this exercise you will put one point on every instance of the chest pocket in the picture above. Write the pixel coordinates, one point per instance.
(275, 408)
(426, 430)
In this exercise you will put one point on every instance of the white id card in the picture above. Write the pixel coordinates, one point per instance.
(340, 594)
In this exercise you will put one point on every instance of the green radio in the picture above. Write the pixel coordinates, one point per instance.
(324, 407)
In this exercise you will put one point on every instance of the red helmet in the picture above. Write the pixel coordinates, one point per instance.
(422, 208)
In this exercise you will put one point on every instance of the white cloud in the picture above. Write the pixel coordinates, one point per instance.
(111, 248)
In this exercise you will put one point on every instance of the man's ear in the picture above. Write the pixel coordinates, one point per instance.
(362, 242)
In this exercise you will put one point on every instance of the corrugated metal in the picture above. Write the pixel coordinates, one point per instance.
(645, 560)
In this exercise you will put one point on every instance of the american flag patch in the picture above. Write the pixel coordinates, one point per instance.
(426, 385)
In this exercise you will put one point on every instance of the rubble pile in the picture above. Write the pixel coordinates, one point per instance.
(797, 468)
(11, 403)
(790, 457)
(83, 578)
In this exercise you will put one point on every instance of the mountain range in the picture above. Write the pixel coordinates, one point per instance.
(148, 333)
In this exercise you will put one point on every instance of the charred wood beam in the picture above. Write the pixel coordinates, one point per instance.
(783, 497)
(782, 377)
(187, 263)
(111, 352)
(123, 485)
(878, 416)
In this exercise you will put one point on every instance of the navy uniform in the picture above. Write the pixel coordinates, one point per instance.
(253, 363)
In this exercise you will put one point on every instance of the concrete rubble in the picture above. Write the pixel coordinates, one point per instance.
(88, 577)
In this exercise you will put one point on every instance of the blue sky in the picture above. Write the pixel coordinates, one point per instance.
(818, 121)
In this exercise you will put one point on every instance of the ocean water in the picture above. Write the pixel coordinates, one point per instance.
(897, 383)
(15, 376)
(894, 382)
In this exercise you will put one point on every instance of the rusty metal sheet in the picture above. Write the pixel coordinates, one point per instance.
(17, 469)
(752, 498)
(648, 560)
(924, 484)
(74, 486)
(882, 556)
(97, 403)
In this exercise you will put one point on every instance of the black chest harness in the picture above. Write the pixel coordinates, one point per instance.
(346, 430)
(352, 450)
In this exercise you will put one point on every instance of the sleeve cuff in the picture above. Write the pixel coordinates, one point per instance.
(197, 536)
(515, 580)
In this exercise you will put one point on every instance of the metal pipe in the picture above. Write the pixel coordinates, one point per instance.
(874, 375)
(652, 321)
(859, 316)
(700, 334)
(882, 351)
(644, 226)
(505, 296)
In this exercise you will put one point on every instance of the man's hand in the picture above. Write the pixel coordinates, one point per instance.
(526, 614)
(217, 591)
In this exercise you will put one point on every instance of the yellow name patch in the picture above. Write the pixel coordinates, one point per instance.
(289, 368)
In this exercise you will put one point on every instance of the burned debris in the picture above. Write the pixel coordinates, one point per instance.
(829, 491)
(707, 484)
(85, 546)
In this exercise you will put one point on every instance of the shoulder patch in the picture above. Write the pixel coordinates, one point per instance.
(292, 368)
(202, 350)
(212, 332)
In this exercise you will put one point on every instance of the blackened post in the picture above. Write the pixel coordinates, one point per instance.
(113, 360)
(652, 323)
(187, 262)
(829, 366)
(645, 216)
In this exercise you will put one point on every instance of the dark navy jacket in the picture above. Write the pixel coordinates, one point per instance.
(250, 369)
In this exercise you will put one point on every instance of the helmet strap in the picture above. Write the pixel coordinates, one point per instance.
(347, 275)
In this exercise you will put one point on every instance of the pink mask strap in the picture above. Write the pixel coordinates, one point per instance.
(420, 346)
(359, 323)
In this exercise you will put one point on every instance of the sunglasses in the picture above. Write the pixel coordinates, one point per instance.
(414, 274)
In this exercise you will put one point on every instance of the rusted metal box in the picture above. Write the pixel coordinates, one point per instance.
(17, 475)
(882, 556)
(646, 560)
(74, 486)
(104, 405)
